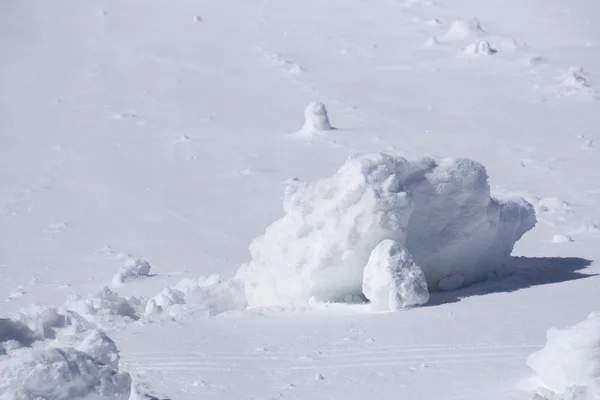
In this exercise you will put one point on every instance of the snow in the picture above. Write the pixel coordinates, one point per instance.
(571, 357)
(60, 374)
(391, 279)
(316, 119)
(106, 308)
(211, 295)
(45, 358)
(133, 269)
(167, 131)
(440, 211)
(451, 282)
(101, 347)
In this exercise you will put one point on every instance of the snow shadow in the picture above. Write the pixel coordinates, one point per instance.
(520, 273)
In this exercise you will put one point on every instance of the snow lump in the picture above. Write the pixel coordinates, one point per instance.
(316, 119)
(391, 279)
(133, 269)
(440, 212)
(570, 361)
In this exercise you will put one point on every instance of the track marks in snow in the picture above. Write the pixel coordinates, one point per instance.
(331, 359)
(278, 60)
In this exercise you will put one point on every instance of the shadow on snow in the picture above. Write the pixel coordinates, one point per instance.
(520, 273)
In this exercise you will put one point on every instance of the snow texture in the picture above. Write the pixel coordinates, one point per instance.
(571, 357)
(133, 269)
(54, 355)
(440, 211)
(391, 279)
(316, 119)
(211, 295)
(101, 347)
(104, 309)
(60, 374)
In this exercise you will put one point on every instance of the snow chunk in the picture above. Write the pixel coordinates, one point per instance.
(481, 47)
(212, 295)
(101, 347)
(42, 320)
(134, 268)
(440, 211)
(391, 279)
(316, 119)
(105, 309)
(560, 238)
(571, 356)
(60, 374)
(575, 82)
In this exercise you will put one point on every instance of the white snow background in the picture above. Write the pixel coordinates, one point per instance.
(147, 147)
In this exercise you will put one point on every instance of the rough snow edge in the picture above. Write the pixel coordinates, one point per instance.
(569, 363)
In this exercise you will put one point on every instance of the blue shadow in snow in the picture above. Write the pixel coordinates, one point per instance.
(520, 273)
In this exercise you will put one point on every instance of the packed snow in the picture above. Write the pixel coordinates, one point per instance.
(139, 130)
(133, 269)
(391, 279)
(49, 355)
(316, 119)
(440, 211)
(569, 364)
(211, 295)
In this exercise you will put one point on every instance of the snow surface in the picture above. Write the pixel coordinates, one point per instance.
(165, 131)
(440, 211)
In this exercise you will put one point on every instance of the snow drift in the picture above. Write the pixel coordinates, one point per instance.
(441, 211)
(569, 364)
(49, 355)
(60, 374)
(209, 295)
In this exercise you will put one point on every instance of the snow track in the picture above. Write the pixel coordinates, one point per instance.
(343, 358)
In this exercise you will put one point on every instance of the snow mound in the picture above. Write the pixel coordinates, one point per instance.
(42, 321)
(60, 374)
(316, 119)
(211, 295)
(391, 279)
(101, 347)
(571, 357)
(560, 238)
(575, 82)
(440, 211)
(104, 309)
(478, 48)
(133, 269)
